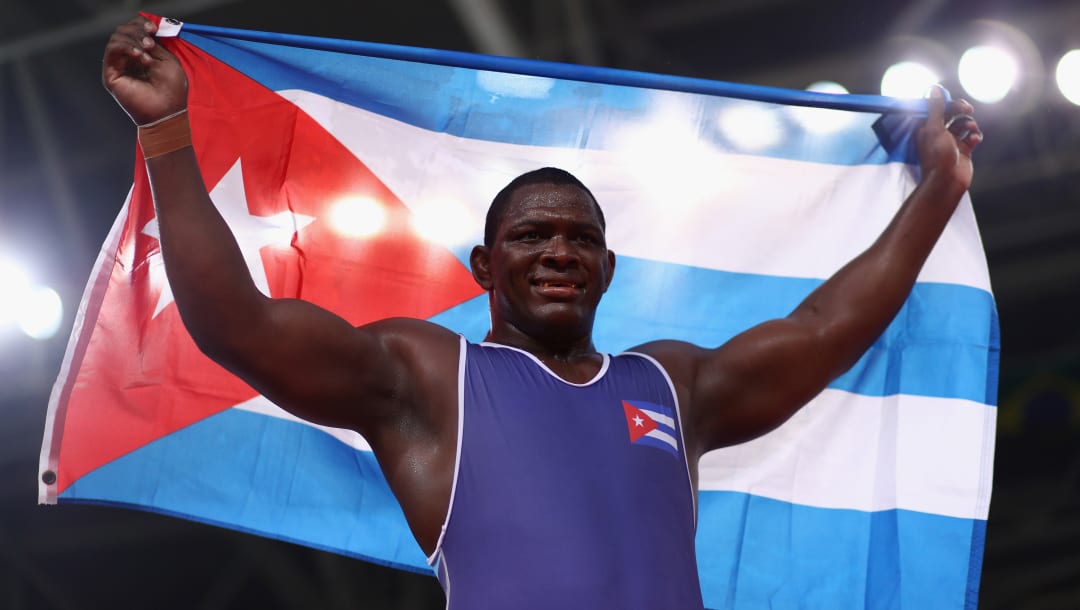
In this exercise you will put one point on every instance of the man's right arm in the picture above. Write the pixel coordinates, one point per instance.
(302, 357)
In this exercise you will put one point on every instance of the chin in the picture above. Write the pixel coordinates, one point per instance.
(567, 320)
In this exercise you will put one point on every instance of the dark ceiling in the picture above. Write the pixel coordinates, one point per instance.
(66, 154)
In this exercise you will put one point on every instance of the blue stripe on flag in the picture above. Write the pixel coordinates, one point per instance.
(652, 406)
(547, 112)
(594, 74)
(937, 346)
(832, 558)
(659, 444)
(338, 498)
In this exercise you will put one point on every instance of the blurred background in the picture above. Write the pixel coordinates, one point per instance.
(66, 158)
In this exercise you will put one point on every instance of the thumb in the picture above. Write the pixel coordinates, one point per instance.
(935, 106)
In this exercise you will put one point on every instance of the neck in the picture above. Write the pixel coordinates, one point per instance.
(575, 362)
(546, 348)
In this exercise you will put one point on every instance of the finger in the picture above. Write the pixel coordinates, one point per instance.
(960, 125)
(138, 34)
(935, 106)
(971, 139)
(156, 50)
(962, 106)
(146, 24)
(120, 53)
(132, 31)
(125, 39)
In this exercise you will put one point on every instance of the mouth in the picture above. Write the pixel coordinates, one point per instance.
(559, 289)
(558, 284)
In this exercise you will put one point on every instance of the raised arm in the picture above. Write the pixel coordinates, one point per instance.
(761, 377)
(303, 358)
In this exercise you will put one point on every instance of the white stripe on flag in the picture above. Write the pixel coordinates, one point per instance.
(932, 455)
(710, 205)
(659, 417)
(660, 435)
(825, 457)
(261, 405)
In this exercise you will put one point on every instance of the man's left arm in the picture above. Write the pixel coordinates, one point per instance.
(761, 377)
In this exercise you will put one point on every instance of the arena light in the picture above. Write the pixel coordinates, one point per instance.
(15, 283)
(357, 217)
(822, 121)
(751, 127)
(988, 72)
(1068, 76)
(908, 79)
(827, 86)
(667, 156)
(1001, 62)
(40, 312)
(444, 221)
(36, 310)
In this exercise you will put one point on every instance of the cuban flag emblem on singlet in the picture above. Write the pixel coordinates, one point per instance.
(651, 425)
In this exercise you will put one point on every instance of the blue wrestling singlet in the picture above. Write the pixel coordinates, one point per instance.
(567, 496)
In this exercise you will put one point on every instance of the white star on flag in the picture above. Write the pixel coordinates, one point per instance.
(252, 233)
(638, 421)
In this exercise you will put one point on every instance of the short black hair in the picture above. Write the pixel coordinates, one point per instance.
(544, 175)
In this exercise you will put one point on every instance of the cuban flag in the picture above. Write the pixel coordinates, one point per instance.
(356, 176)
(651, 425)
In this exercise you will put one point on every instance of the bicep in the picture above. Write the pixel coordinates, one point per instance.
(317, 366)
(751, 384)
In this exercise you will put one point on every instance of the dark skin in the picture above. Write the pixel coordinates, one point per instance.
(395, 381)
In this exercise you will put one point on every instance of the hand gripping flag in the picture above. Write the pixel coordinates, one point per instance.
(356, 176)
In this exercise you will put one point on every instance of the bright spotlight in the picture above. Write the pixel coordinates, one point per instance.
(751, 127)
(40, 312)
(827, 86)
(16, 283)
(988, 73)
(1068, 76)
(666, 155)
(822, 121)
(907, 79)
(12, 275)
(358, 217)
(1003, 62)
(444, 222)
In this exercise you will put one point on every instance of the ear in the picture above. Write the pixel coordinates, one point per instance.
(611, 268)
(480, 262)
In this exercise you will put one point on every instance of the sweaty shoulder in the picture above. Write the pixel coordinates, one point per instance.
(681, 361)
(427, 352)
(678, 358)
(415, 439)
(418, 340)
(422, 360)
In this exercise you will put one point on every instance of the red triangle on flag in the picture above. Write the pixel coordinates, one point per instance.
(637, 421)
(136, 375)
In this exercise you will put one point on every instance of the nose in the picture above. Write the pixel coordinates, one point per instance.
(560, 253)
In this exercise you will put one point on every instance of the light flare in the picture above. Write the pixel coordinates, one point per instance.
(444, 221)
(988, 73)
(357, 217)
(908, 79)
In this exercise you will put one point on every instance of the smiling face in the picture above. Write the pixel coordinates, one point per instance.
(547, 267)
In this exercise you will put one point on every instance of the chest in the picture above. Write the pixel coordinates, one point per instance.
(616, 432)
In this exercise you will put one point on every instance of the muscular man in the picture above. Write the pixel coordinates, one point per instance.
(562, 513)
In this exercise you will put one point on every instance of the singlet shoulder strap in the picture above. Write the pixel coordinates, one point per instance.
(678, 413)
(463, 351)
